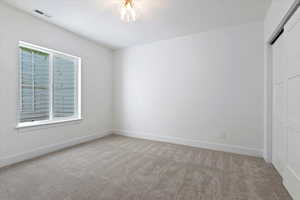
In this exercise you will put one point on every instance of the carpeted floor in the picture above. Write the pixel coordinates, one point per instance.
(117, 167)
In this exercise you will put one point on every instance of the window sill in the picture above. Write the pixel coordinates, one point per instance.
(46, 122)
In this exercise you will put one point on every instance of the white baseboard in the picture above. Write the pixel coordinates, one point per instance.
(291, 182)
(6, 161)
(194, 143)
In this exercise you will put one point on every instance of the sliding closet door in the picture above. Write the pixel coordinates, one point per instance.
(279, 132)
(292, 80)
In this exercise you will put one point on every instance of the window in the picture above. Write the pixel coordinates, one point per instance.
(49, 86)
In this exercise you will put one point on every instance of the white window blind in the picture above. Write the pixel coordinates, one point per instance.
(34, 85)
(64, 91)
(49, 86)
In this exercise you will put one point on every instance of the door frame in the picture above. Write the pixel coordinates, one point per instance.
(268, 83)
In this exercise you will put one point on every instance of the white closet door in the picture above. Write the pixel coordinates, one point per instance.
(278, 136)
(291, 173)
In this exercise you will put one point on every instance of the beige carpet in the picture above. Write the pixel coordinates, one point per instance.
(124, 168)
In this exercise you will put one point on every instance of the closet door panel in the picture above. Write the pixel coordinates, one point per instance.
(292, 82)
(293, 151)
(293, 102)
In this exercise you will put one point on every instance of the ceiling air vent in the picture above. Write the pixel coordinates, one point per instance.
(39, 12)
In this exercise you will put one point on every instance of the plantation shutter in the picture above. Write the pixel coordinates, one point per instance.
(64, 88)
(34, 85)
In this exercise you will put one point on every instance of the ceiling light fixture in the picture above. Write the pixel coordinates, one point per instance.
(128, 12)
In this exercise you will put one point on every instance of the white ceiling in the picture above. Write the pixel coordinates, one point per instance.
(99, 20)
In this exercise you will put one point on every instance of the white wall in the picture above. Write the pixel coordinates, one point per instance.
(96, 85)
(204, 89)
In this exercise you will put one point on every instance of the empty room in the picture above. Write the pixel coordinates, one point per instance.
(150, 100)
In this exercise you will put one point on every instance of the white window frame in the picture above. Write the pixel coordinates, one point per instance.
(51, 52)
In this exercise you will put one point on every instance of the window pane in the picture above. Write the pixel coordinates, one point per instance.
(34, 85)
(64, 87)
